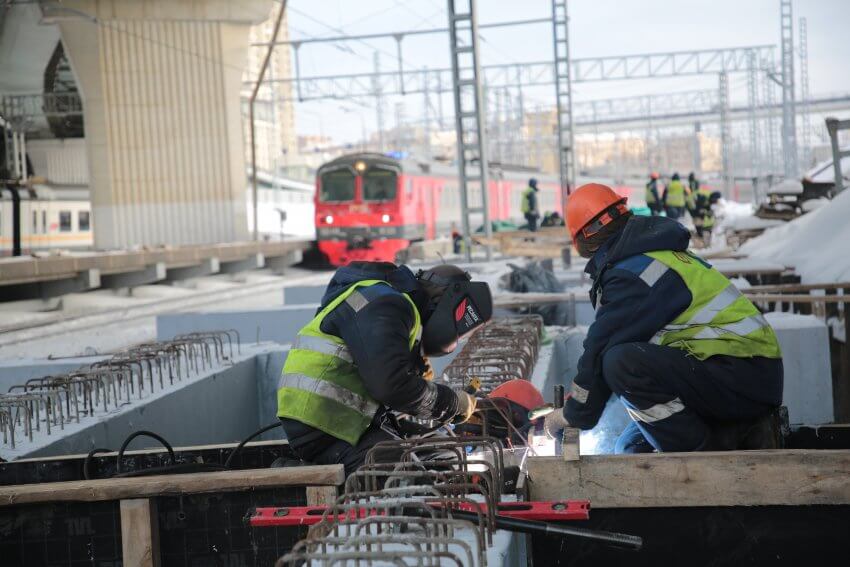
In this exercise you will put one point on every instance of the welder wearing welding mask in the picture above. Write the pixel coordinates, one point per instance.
(366, 352)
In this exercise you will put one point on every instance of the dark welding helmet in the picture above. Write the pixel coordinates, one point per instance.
(456, 306)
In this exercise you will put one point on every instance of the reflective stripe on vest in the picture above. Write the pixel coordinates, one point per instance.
(719, 321)
(320, 385)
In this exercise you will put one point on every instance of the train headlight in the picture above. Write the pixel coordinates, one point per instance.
(360, 166)
(329, 219)
(385, 218)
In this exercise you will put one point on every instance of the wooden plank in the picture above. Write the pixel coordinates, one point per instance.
(736, 478)
(139, 533)
(795, 288)
(143, 487)
(506, 300)
(321, 495)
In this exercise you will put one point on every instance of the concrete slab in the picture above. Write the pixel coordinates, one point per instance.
(301, 294)
(808, 376)
(279, 325)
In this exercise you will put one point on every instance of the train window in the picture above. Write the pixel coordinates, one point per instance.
(379, 184)
(64, 221)
(35, 222)
(83, 220)
(44, 221)
(337, 185)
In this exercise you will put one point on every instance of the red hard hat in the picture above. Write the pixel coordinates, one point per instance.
(520, 392)
(654, 175)
(589, 202)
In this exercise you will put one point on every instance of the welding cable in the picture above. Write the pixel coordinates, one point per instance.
(242, 443)
(87, 462)
(139, 433)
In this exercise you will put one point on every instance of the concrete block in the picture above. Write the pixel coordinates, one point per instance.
(206, 267)
(223, 404)
(279, 264)
(808, 376)
(150, 274)
(253, 262)
(303, 294)
(83, 280)
(279, 325)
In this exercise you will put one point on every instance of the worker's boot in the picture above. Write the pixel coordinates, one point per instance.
(766, 432)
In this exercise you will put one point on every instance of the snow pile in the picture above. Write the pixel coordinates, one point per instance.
(786, 187)
(815, 243)
(751, 223)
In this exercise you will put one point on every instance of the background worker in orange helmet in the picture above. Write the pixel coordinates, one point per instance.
(693, 361)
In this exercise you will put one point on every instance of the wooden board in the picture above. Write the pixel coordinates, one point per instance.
(795, 298)
(506, 300)
(139, 533)
(795, 288)
(143, 487)
(739, 478)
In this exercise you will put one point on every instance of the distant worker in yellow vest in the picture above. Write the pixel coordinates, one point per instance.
(675, 198)
(652, 195)
(694, 362)
(530, 206)
(365, 355)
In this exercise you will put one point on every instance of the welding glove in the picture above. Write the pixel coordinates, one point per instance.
(554, 423)
(465, 406)
(428, 371)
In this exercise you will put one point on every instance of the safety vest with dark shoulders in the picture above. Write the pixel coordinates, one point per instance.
(720, 320)
(320, 385)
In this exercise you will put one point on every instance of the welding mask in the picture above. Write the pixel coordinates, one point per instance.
(456, 306)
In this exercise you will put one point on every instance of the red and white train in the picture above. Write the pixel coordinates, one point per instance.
(370, 206)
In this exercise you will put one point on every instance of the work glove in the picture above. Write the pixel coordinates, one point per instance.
(465, 406)
(428, 371)
(554, 423)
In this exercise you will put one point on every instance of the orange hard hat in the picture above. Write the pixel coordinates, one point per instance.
(519, 392)
(590, 203)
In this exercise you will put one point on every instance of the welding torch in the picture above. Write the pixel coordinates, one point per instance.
(546, 409)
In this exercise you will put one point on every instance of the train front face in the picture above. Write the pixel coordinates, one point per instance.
(358, 209)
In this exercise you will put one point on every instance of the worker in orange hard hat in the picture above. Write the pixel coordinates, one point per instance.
(652, 194)
(693, 361)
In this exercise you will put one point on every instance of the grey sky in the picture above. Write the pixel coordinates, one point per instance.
(597, 27)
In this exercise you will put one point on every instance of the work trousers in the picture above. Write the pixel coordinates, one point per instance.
(673, 397)
(675, 212)
(317, 447)
(532, 221)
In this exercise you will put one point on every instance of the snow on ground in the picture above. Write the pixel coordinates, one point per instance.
(816, 244)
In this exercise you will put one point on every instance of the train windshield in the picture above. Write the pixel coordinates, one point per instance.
(337, 185)
(379, 184)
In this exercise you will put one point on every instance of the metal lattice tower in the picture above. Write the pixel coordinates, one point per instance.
(379, 99)
(805, 114)
(723, 97)
(789, 126)
(563, 94)
(768, 101)
(469, 125)
(752, 100)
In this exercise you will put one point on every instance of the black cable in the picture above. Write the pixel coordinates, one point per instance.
(146, 434)
(242, 443)
(87, 462)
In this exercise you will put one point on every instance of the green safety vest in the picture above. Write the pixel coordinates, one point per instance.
(674, 195)
(526, 200)
(719, 320)
(649, 195)
(320, 385)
